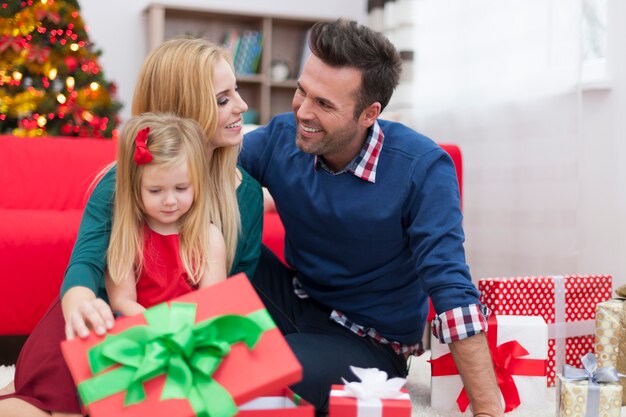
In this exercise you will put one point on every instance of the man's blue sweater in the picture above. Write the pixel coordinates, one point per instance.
(373, 251)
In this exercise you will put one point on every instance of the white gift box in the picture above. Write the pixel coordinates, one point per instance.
(531, 332)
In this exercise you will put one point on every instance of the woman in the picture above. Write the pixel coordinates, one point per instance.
(191, 78)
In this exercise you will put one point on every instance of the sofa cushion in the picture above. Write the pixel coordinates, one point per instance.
(50, 173)
(35, 247)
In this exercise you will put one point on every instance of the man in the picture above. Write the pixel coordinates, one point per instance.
(372, 216)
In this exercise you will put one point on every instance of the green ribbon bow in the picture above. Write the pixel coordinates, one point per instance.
(172, 344)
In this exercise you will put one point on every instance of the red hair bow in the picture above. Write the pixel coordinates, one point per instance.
(142, 154)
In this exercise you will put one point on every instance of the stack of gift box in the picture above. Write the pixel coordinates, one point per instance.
(215, 352)
(558, 321)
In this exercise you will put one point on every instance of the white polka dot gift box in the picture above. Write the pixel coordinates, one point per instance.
(518, 347)
(566, 303)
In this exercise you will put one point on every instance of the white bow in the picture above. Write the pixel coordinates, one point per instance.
(374, 384)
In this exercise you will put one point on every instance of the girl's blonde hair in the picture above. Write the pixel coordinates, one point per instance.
(172, 141)
(177, 77)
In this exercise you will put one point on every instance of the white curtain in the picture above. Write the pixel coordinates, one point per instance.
(501, 78)
(481, 52)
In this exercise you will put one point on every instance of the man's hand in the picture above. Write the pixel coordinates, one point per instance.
(473, 360)
(83, 311)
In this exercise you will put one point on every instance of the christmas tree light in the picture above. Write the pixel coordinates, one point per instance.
(50, 80)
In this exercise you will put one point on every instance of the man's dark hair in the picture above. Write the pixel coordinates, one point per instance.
(344, 43)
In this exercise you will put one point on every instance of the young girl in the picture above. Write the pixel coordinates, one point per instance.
(163, 243)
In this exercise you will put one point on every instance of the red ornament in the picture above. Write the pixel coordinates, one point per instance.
(90, 66)
(28, 124)
(66, 129)
(71, 63)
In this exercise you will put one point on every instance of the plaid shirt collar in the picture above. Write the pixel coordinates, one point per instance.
(365, 163)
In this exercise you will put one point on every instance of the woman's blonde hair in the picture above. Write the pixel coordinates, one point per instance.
(177, 77)
(172, 141)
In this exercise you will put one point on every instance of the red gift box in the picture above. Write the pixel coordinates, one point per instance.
(566, 303)
(283, 403)
(343, 405)
(246, 371)
(518, 347)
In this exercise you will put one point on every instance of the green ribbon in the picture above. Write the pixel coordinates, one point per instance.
(172, 344)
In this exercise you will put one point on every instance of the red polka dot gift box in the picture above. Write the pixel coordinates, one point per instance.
(566, 302)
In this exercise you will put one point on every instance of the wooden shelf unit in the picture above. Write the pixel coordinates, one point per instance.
(284, 38)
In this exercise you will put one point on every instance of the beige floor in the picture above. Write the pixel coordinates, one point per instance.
(418, 384)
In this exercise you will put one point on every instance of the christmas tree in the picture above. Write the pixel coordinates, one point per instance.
(50, 80)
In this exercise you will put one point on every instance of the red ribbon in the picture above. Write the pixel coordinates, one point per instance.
(37, 54)
(16, 43)
(53, 16)
(507, 360)
(142, 154)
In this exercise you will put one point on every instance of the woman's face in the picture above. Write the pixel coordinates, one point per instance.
(230, 107)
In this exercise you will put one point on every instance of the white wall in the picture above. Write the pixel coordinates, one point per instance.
(602, 163)
(545, 179)
(118, 28)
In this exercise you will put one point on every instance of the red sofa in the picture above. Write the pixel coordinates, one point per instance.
(44, 183)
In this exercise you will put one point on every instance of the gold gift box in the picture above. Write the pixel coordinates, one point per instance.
(573, 399)
(610, 339)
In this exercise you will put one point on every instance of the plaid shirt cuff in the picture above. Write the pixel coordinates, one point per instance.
(460, 323)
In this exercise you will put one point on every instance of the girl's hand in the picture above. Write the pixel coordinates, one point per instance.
(83, 311)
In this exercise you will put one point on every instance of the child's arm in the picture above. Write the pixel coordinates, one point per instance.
(216, 268)
(123, 295)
